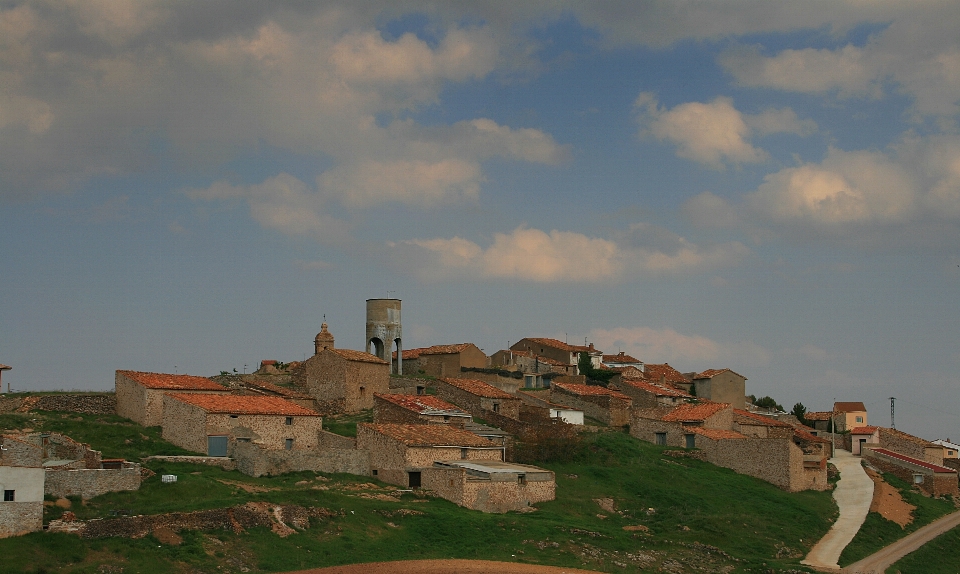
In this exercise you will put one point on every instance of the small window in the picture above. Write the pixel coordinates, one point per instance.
(521, 479)
(9, 496)
(463, 453)
(288, 444)
(374, 472)
(496, 407)
(661, 438)
(420, 390)
(289, 421)
(859, 419)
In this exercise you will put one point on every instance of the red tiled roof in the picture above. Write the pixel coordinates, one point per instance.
(283, 391)
(542, 359)
(916, 461)
(864, 430)
(619, 358)
(670, 375)
(808, 437)
(244, 405)
(421, 404)
(717, 434)
(434, 350)
(554, 343)
(710, 373)
(849, 407)
(360, 356)
(817, 415)
(478, 387)
(767, 421)
(655, 389)
(698, 412)
(172, 382)
(430, 435)
(594, 390)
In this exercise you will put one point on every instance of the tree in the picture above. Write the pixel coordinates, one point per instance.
(768, 403)
(594, 376)
(799, 411)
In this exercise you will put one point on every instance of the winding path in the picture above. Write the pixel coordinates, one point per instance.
(879, 561)
(853, 494)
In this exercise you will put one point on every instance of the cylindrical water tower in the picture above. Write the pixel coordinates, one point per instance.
(384, 332)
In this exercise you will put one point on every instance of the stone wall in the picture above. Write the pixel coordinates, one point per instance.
(910, 445)
(92, 403)
(487, 495)
(726, 387)
(647, 429)
(329, 440)
(340, 385)
(475, 405)
(18, 518)
(936, 484)
(19, 453)
(255, 461)
(777, 461)
(224, 463)
(90, 482)
(608, 409)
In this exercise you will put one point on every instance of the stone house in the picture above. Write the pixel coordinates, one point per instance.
(721, 386)
(475, 396)
(849, 415)
(417, 409)
(342, 380)
(564, 413)
(758, 426)
(819, 420)
(267, 389)
(489, 485)
(444, 360)
(934, 479)
(559, 351)
(400, 452)
(909, 445)
(206, 424)
(950, 450)
(646, 394)
(531, 364)
(621, 360)
(863, 435)
(140, 395)
(21, 487)
(605, 405)
(665, 375)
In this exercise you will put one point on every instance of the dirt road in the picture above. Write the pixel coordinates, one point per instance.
(443, 567)
(880, 561)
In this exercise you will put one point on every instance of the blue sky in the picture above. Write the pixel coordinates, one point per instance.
(763, 186)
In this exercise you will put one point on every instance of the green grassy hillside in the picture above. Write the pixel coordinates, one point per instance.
(680, 515)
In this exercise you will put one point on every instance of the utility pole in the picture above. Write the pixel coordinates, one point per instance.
(833, 426)
(893, 424)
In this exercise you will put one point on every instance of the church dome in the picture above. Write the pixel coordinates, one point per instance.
(324, 339)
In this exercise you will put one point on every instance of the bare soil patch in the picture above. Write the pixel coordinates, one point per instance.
(251, 488)
(888, 503)
(444, 567)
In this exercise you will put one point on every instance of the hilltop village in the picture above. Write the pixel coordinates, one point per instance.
(453, 421)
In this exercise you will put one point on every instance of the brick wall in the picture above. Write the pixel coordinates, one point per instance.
(255, 461)
(90, 482)
(18, 518)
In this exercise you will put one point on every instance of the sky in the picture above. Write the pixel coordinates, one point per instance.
(770, 187)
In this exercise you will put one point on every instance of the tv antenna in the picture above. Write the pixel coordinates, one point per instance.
(892, 423)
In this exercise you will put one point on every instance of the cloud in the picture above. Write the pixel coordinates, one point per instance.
(714, 133)
(667, 345)
(562, 256)
(710, 210)
(414, 182)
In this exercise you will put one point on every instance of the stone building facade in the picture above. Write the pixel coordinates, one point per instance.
(608, 406)
(476, 396)
(559, 351)
(444, 360)
(399, 453)
(646, 394)
(342, 380)
(490, 486)
(140, 395)
(909, 445)
(934, 479)
(417, 409)
(21, 487)
(204, 423)
(721, 386)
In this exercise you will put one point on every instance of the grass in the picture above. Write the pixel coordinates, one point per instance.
(878, 532)
(939, 556)
(747, 525)
(346, 425)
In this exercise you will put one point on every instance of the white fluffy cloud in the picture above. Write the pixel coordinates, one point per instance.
(684, 352)
(714, 133)
(559, 256)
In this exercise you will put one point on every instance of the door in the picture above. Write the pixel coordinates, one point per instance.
(216, 446)
(414, 477)
(860, 449)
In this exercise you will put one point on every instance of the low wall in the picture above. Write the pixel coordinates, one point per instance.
(936, 484)
(96, 404)
(223, 462)
(90, 482)
(18, 518)
(255, 461)
(329, 440)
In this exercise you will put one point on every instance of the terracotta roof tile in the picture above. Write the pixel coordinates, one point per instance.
(283, 391)
(430, 435)
(817, 415)
(359, 356)
(710, 373)
(863, 430)
(554, 343)
(717, 434)
(915, 461)
(907, 437)
(422, 404)
(653, 372)
(243, 405)
(594, 390)
(852, 407)
(698, 412)
(542, 359)
(620, 358)
(767, 421)
(808, 437)
(434, 350)
(657, 390)
(172, 382)
(478, 387)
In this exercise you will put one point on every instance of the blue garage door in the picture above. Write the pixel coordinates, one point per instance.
(216, 446)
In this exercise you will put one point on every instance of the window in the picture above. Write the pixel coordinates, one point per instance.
(9, 495)
(661, 438)
(414, 479)
(496, 407)
(289, 421)
(691, 440)
(420, 389)
(288, 444)
(463, 453)
(374, 472)
(859, 419)
(233, 416)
